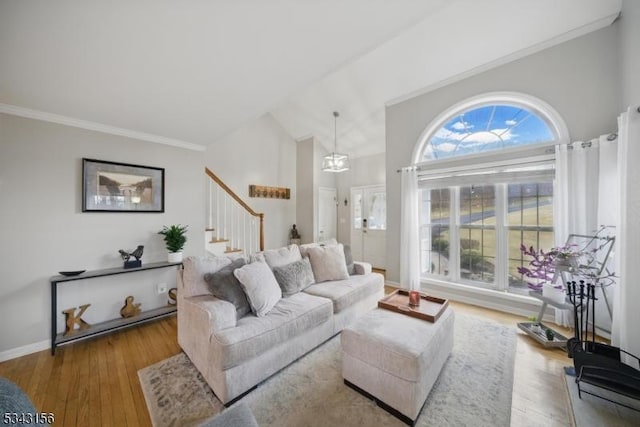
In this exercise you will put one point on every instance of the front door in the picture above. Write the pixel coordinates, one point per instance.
(369, 224)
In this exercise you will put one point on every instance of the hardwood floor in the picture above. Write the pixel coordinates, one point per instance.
(95, 382)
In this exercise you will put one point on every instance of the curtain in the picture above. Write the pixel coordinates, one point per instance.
(409, 230)
(583, 195)
(626, 315)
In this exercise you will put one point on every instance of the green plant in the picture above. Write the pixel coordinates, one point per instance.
(174, 237)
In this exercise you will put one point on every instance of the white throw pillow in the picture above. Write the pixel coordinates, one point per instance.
(260, 285)
(282, 256)
(327, 263)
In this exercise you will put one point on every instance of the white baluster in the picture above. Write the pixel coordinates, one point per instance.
(217, 212)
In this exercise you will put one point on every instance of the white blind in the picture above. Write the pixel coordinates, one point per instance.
(533, 168)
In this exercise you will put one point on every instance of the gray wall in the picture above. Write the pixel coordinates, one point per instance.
(305, 206)
(260, 153)
(45, 231)
(578, 78)
(367, 170)
(629, 27)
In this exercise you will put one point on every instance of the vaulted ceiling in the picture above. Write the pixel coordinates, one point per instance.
(191, 72)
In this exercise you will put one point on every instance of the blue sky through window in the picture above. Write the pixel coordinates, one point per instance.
(488, 128)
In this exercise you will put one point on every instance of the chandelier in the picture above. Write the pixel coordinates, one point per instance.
(335, 162)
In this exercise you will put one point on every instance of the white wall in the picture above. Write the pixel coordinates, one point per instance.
(578, 78)
(629, 27)
(320, 179)
(367, 170)
(44, 230)
(309, 176)
(260, 153)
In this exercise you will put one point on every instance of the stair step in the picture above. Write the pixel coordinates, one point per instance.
(218, 240)
(230, 250)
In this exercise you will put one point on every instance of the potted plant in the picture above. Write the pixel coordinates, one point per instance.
(175, 236)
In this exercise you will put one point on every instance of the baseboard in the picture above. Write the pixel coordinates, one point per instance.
(24, 350)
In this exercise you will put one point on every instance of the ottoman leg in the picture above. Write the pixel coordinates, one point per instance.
(383, 405)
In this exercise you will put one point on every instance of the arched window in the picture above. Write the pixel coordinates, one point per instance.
(486, 188)
(491, 122)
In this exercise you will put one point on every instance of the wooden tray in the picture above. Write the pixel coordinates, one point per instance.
(430, 307)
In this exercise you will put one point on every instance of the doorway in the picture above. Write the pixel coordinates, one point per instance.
(369, 224)
(327, 214)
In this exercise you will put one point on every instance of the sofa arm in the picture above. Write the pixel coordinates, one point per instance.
(208, 310)
(361, 268)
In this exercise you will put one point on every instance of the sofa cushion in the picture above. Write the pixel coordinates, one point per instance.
(253, 336)
(282, 256)
(328, 263)
(194, 270)
(348, 259)
(260, 286)
(344, 293)
(224, 285)
(294, 277)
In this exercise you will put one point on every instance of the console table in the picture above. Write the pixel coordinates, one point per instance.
(109, 325)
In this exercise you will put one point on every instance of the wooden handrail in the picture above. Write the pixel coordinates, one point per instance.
(241, 202)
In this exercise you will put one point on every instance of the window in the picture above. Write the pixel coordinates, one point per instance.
(486, 187)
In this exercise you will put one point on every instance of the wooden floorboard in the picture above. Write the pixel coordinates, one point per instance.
(95, 382)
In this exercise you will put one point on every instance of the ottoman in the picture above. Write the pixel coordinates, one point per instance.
(395, 359)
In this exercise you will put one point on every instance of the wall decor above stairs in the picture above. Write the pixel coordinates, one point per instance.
(269, 192)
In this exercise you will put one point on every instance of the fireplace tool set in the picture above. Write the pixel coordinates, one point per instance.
(598, 364)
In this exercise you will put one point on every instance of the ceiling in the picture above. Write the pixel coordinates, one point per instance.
(188, 73)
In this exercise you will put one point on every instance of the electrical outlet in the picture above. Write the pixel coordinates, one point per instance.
(162, 288)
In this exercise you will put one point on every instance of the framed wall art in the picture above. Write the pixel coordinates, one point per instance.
(121, 187)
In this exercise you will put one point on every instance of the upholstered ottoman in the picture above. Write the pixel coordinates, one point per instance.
(395, 359)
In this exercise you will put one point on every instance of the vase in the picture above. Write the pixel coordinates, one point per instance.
(175, 257)
(555, 294)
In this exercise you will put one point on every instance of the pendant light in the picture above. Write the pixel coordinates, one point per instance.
(335, 162)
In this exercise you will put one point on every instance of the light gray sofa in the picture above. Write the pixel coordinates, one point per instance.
(234, 355)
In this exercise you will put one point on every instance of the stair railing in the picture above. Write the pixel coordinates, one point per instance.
(231, 220)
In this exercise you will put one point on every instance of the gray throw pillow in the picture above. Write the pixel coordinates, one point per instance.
(224, 285)
(348, 259)
(294, 276)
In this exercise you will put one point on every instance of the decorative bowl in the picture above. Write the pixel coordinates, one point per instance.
(71, 273)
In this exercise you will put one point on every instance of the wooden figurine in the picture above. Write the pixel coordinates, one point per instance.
(173, 296)
(130, 309)
(72, 319)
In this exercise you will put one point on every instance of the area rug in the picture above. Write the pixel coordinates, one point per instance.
(591, 411)
(474, 387)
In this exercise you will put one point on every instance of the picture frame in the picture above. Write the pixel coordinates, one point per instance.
(121, 187)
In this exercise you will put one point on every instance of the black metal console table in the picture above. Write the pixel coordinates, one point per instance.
(109, 325)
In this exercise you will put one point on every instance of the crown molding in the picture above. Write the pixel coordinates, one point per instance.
(98, 127)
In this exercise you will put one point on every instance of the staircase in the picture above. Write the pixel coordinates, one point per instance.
(232, 226)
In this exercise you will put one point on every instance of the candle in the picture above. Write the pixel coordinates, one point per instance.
(414, 298)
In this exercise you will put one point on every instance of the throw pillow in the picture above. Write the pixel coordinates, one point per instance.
(328, 263)
(194, 270)
(282, 256)
(224, 285)
(294, 277)
(260, 286)
(304, 249)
